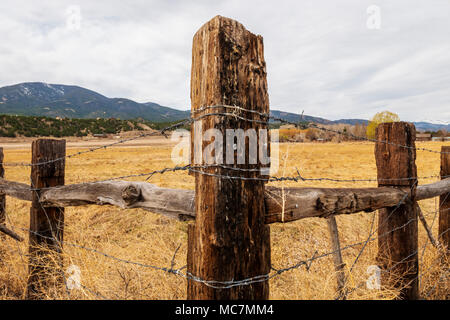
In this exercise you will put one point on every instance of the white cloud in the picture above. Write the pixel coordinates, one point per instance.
(321, 57)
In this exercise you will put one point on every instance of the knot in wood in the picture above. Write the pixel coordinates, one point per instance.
(131, 194)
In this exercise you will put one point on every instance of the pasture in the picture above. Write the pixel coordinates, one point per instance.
(136, 235)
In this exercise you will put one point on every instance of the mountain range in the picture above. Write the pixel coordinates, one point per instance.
(56, 100)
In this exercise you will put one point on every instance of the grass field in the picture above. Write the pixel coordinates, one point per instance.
(141, 236)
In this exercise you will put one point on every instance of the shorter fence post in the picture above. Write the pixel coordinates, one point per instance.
(3, 229)
(444, 202)
(46, 224)
(395, 156)
(337, 257)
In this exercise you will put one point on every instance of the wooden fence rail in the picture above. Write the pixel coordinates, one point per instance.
(300, 203)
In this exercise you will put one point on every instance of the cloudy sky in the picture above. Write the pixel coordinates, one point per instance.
(334, 59)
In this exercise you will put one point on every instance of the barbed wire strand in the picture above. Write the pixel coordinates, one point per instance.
(105, 146)
(160, 132)
(255, 279)
(234, 115)
(229, 283)
(195, 168)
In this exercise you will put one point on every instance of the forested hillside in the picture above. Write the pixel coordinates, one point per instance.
(19, 126)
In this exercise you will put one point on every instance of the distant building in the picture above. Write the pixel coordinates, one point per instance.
(100, 135)
(441, 139)
(287, 126)
(423, 137)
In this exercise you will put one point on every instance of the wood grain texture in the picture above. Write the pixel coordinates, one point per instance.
(300, 203)
(398, 226)
(230, 239)
(46, 224)
(174, 203)
(16, 190)
(391, 157)
(444, 202)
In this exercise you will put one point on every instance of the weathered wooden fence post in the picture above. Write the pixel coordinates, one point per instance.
(3, 229)
(229, 239)
(46, 224)
(398, 226)
(444, 202)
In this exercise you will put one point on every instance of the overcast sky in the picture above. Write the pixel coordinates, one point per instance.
(333, 59)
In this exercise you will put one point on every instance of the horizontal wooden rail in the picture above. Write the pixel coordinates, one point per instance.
(16, 189)
(299, 203)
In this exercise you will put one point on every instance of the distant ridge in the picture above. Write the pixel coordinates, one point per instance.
(293, 117)
(57, 100)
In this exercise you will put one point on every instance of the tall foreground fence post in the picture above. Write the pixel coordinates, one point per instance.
(398, 226)
(444, 201)
(229, 239)
(46, 224)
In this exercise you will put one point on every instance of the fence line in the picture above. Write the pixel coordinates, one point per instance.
(397, 263)
(234, 115)
(247, 281)
(306, 263)
(211, 277)
(229, 283)
(439, 257)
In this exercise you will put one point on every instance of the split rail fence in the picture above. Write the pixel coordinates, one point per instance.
(232, 209)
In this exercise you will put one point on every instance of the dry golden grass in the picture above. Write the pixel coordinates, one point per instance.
(286, 134)
(138, 235)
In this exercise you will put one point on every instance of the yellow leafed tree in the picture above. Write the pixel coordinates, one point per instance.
(380, 117)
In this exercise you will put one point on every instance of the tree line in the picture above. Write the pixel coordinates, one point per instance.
(39, 126)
